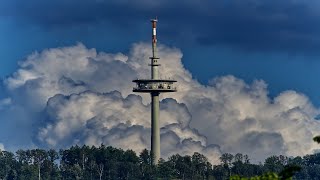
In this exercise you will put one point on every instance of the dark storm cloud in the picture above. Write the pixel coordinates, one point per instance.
(257, 25)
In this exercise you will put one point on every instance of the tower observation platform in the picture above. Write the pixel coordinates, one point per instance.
(154, 86)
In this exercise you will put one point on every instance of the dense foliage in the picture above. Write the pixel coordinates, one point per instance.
(111, 163)
(317, 139)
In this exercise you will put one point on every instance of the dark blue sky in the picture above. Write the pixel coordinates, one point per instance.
(276, 41)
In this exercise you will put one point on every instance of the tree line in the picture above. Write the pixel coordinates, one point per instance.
(109, 163)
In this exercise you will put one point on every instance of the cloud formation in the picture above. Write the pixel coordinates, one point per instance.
(4, 103)
(254, 25)
(76, 95)
(1, 147)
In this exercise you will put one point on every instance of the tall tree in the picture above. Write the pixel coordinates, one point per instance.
(200, 165)
(100, 169)
(275, 163)
(147, 168)
(38, 156)
(317, 139)
(226, 160)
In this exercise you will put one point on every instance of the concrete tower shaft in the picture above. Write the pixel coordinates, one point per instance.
(155, 128)
(154, 86)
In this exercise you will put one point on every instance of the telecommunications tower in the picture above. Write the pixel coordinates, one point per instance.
(154, 86)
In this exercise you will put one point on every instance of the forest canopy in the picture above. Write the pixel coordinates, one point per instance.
(106, 162)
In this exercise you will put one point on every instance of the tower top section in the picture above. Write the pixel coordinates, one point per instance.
(154, 37)
(155, 84)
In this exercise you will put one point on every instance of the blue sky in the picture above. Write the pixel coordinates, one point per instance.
(217, 38)
(274, 41)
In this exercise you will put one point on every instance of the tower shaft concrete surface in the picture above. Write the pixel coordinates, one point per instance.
(155, 127)
(154, 86)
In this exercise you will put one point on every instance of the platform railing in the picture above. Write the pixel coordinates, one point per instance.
(155, 86)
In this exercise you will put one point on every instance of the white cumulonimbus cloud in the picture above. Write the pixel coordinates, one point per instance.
(75, 95)
(1, 147)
